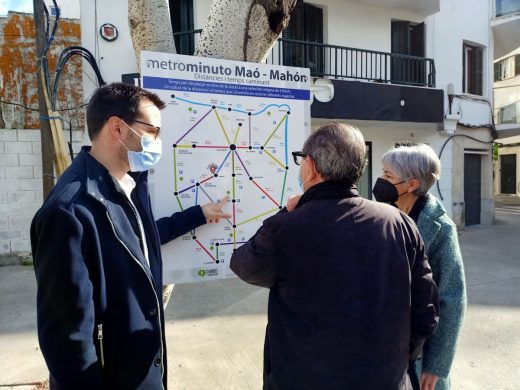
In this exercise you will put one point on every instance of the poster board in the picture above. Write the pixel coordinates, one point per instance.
(228, 129)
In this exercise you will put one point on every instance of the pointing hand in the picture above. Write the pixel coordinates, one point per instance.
(213, 211)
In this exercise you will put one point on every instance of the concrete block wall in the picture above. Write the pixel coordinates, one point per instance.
(21, 191)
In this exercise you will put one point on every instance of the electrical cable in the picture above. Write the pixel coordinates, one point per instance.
(444, 145)
(19, 105)
(65, 55)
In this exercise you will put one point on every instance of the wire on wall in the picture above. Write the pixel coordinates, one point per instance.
(444, 145)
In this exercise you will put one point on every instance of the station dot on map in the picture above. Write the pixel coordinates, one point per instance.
(215, 175)
(197, 184)
(217, 244)
(213, 107)
(194, 237)
(286, 167)
(288, 112)
(249, 114)
(173, 96)
(193, 146)
(280, 207)
(261, 148)
(175, 193)
(232, 146)
(250, 177)
(174, 145)
(240, 124)
(229, 109)
(250, 147)
(234, 201)
(232, 175)
(234, 226)
(217, 261)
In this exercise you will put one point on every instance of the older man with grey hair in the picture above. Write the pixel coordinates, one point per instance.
(350, 288)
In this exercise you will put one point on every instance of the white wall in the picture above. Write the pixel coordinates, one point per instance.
(114, 58)
(456, 22)
(21, 185)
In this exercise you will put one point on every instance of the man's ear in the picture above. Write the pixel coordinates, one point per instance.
(114, 127)
(413, 185)
(313, 172)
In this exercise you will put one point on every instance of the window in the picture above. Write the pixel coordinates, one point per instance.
(181, 14)
(472, 64)
(408, 39)
(507, 7)
(507, 68)
(306, 25)
(507, 114)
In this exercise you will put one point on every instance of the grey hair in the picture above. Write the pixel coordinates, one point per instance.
(414, 162)
(338, 151)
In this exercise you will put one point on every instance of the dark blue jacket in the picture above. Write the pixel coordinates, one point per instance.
(350, 292)
(99, 303)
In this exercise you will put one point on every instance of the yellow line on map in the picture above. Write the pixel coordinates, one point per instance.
(258, 216)
(222, 126)
(274, 158)
(274, 131)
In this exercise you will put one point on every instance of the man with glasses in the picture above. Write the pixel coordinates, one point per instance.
(97, 255)
(351, 292)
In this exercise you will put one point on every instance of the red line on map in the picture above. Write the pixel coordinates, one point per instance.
(261, 189)
(205, 250)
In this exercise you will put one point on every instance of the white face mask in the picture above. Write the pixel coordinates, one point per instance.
(149, 155)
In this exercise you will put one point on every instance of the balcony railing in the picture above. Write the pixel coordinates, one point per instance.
(340, 62)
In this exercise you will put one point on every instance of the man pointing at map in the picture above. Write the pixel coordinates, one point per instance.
(97, 256)
(351, 292)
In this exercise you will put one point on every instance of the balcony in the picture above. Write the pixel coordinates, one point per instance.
(368, 85)
(506, 8)
(505, 27)
(339, 62)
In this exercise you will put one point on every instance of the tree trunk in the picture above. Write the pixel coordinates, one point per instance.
(241, 30)
(150, 27)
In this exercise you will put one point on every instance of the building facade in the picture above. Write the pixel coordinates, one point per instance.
(506, 91)
(403, 71)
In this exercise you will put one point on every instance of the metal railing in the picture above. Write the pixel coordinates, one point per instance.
(342, 62)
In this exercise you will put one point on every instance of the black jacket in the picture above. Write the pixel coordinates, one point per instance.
(350, 290)
(99, 304)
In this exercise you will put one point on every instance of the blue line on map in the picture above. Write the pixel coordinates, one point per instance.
(272, 105)
(197, 196)
(186, 189)
(232, 243)
(241, 111)
(223, 162)
(287, 141)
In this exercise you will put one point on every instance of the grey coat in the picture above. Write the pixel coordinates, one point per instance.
(442, 248)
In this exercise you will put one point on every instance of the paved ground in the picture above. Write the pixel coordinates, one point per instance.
(215, 329)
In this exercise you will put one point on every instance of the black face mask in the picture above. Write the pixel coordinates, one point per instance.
(385, 192)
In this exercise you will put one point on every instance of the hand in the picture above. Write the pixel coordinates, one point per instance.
(428, 381)
(293, 201)
(213, 211)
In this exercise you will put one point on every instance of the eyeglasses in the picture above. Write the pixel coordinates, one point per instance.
(154, 133)
(298, 157)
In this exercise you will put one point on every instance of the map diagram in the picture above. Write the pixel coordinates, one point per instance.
(216, 146)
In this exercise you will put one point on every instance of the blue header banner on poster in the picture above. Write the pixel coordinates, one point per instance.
(224, 88)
